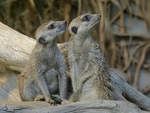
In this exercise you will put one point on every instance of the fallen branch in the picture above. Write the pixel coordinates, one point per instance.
(99, 106)
(14, 48)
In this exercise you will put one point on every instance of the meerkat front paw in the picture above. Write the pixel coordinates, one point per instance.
(50, 101)
(39, 98)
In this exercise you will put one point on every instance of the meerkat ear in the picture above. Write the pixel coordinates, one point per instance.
(74, 29)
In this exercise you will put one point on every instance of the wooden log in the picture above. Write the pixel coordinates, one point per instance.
(99, 106)
(14, 48)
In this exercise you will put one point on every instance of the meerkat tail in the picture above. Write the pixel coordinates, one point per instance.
(136, 97)
(128, 91)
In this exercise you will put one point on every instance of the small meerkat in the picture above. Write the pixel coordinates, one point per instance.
(45, 72)
(91, 78)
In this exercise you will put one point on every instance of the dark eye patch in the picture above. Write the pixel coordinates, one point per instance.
(51, 26)
(86, 18)
(74, 29)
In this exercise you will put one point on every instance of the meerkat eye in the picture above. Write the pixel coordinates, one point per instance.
(86, 18)
(51, 26)
(74, 29)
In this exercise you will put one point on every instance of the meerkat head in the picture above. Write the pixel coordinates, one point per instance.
(83, 24)
(48, 32)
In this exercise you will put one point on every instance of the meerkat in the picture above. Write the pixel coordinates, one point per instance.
(45, 72)
(86, 61)
(91, 78)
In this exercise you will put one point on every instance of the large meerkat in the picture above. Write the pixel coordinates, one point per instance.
(45, 72)
(91, 78)
(86, 61)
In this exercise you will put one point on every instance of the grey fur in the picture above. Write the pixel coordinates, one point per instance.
(87, 63)
(45, 73)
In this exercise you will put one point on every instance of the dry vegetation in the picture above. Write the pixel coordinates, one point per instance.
(123, 32)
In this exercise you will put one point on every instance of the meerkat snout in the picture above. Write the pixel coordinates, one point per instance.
(42, 41)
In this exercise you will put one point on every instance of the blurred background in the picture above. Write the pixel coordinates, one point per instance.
(123, 33)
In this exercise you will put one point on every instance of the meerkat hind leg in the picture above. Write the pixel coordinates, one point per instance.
(30, 90)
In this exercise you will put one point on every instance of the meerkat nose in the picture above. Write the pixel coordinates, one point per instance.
(42, 40)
